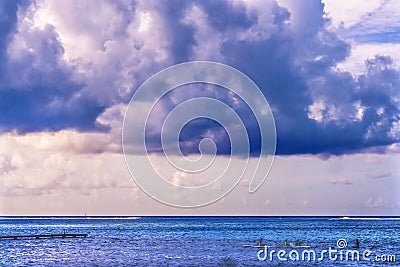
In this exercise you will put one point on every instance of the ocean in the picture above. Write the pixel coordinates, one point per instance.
(202, 241)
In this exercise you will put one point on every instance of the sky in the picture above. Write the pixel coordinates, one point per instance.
(329, 70)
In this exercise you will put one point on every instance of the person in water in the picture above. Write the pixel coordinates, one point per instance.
(357, 245)
(261, 243)
(285, 244)
(298, 243)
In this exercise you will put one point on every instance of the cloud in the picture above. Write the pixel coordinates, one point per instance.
(305, 101)
(378, 25)
(343, 181)
(375, 21)
(49, 163)
(394, 148)
(75, 66)
(355, 62)
(38, 89)
(347, 14)
(373, 203)
(380, 175)
(53, 81)
(8, 22)
(183, 179)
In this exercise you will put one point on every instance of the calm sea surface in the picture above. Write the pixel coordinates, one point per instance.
(198, 241)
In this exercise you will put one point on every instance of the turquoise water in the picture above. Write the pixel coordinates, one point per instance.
(194, 241)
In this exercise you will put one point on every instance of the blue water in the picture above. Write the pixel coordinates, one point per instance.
(190, 241)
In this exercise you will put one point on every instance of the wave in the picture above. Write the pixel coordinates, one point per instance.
(366, 218)
(172, 257)
(112, 218)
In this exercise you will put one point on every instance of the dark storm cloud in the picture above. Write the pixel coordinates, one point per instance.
(196, 130)
(37, 91)
(8, 21)
(291, 57)
(295, 70)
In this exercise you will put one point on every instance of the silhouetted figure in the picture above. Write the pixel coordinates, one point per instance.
(298, 243)
(261, 242)
(285, 244)
(357, 245)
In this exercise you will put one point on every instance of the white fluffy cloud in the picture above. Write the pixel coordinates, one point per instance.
(355, 63)
(348, 13)
(208, 41)
(372, 27)
(41, 163)
(374, 203)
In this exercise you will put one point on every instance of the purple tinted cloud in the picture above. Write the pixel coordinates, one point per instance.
(291, 57)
